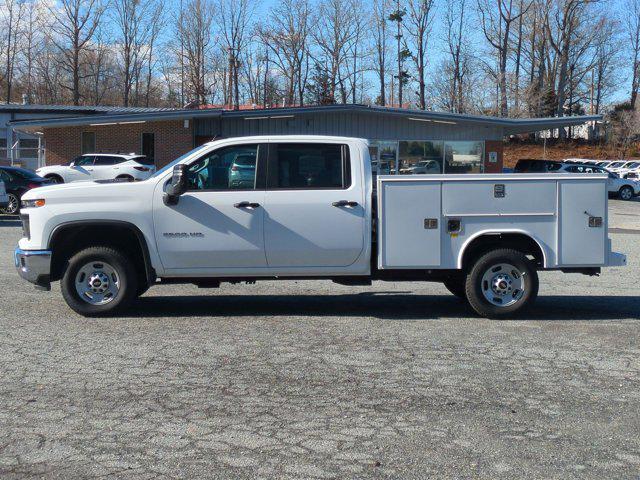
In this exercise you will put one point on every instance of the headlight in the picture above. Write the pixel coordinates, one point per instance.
(39, 202)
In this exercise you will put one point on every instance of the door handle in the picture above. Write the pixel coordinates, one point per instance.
(246, 205)
(345, 203)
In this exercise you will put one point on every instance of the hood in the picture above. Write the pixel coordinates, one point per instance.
(49, 168)
(85, 191)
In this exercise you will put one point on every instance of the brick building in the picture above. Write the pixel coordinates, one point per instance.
(399, 138)
(25, 148)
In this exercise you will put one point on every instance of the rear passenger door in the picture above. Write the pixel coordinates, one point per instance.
(103, 167)
(314, 208)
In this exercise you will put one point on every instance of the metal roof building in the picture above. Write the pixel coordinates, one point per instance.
(24, 147)
(399, 138)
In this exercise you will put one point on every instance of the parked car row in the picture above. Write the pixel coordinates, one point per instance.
(624, 168)
(624, 188)
(14, 181)
(100, 166)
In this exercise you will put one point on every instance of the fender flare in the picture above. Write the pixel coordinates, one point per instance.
(150, 272)
(465, 245)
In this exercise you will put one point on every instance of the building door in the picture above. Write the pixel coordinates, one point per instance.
(314, 213)
(149, 146)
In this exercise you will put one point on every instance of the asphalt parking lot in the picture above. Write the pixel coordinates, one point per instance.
(315, 380)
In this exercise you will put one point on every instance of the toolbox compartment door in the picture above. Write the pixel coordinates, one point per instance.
(582, 243)
(410, 224)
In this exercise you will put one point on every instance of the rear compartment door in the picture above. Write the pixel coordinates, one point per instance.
(582, 242)
(410, 224)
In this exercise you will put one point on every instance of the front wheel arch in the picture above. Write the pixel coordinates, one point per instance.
(70, 237)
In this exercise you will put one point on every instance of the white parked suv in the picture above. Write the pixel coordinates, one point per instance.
(100, 166)
(624, 188)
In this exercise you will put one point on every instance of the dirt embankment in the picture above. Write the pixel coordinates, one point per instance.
(514, 151)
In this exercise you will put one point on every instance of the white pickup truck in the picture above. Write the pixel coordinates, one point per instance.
(305, 207)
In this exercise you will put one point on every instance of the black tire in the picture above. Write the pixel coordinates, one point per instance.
(476, 286)
(13, 208)
(457, 286)
(126, 274)
(626, 193)
(54, 178)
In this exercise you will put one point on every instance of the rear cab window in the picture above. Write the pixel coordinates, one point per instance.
(309, 166)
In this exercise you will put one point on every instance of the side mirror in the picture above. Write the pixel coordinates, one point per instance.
(177, 186)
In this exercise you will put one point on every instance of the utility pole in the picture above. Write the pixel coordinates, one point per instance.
(399, 37)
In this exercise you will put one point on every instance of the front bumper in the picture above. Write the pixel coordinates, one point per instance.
(34, 266)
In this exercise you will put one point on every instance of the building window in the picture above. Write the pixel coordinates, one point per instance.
(463, 157)
(383, 157)
(88, 142)
(420, 157)
(28, 148)
(4, 154)
(149, 146)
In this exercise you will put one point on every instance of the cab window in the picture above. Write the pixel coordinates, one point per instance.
(309, 166)
(228, 168)
(83, 161)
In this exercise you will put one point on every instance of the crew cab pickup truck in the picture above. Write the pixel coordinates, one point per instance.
(304, 207)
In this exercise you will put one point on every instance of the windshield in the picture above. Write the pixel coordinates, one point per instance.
(21, 172)
(176, 161)
(616, 164)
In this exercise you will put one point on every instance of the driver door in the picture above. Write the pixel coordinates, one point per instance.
(217, 225)
(82, 169)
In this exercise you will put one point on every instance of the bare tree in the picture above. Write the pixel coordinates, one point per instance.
(632, 24)
(562, 25)
(75, 23)
(13, 12)
(381, 47)
(335, 33)
(233, 21)
(497, 24)
(287, 38)
(134, 21)
(196, 41)
(418, 25)
(457, 50)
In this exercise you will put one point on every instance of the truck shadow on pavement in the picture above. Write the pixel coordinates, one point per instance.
(381, 305)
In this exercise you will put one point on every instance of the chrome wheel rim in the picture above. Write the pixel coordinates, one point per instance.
(12, 207)
(97, 283)
(503, 285)
(625, 194)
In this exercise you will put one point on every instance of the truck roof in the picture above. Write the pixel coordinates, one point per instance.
(301, 138)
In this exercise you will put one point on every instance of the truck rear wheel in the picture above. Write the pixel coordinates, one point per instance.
(99, 281)
(501, 284)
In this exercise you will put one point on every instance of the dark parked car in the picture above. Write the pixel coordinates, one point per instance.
(17, 181)
(529, 165)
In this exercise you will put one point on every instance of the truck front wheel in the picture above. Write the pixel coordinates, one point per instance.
(99, 281)
(501, 284)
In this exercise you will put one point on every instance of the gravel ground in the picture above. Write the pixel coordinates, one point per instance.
(315, 380)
